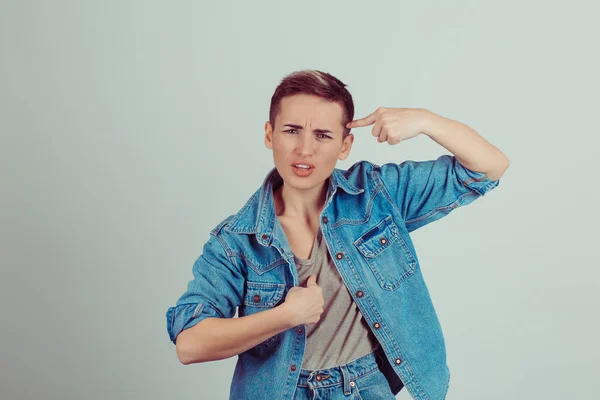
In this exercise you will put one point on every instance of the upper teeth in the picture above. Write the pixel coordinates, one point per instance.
(302, 166)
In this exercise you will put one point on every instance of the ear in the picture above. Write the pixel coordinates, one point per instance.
(268, 135)
(346, 147)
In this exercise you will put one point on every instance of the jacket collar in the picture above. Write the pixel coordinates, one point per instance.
(258, 214)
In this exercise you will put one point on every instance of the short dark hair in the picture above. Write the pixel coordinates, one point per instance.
(318, 83)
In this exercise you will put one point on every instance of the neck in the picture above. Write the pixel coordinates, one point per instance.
(299, 203)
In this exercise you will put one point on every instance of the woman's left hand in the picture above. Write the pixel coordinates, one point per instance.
(393, 124)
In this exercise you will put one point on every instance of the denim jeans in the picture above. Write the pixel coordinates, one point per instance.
(360, 379)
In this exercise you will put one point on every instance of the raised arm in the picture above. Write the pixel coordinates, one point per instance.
(425, 191)
(471, 149)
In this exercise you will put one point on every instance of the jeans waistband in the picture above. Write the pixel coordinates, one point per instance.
(343, 374)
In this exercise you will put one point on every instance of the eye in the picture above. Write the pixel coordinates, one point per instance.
(319, 135)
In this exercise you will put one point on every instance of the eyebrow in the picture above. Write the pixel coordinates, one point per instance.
(314, 130)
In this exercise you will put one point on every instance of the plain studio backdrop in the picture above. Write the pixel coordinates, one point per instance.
(130, 129)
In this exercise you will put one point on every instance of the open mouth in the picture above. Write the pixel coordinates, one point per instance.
(303, 169)
(302, 166)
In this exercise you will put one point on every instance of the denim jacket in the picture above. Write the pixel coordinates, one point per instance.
(247, 265)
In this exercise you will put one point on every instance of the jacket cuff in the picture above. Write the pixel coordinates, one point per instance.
(185, 316)
(476, 181)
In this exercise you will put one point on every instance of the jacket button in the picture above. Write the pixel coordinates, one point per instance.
(264, 236)
(325, 220)
(299, 330)
(383, 241)
(319, 378)
(397, 361)
(293, 367)
(339, 256)
(359, 293)
(256, 298)
(376, 325)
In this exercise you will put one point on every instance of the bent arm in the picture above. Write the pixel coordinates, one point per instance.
(219, 338)
(469, 147)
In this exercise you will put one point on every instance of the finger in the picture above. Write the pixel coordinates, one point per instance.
(382, 136)
(368, 120)
(312, 281)
(376, 131)
(394, 141)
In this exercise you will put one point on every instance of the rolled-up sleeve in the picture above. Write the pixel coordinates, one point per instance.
(425, 191)
(215, 291)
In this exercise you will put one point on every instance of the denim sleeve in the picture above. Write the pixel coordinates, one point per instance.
(425, 191)
(216, 290)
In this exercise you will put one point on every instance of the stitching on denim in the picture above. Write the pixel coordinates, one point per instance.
(451, 206)
(389, 226)
(277, 294)
(215, 231)
(386, 193)
(408, 374)
(357, 388)
(224, 246)
(341, 383)
(373, 309)
(346, 221)
(242, 229)
(345, 183)
(394, 237)
(265, 284)
(257, 268)
(290, 381)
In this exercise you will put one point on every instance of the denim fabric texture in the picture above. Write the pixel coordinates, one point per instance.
(247, 265)
(360, 379)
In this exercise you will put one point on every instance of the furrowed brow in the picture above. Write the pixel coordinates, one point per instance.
(314, 130)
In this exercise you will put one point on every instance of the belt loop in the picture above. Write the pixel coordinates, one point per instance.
(310, 385)
(346, 379)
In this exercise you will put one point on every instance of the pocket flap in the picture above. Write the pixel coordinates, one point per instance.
(263, 294)
(378, 239)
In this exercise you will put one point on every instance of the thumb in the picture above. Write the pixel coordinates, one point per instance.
(312, 281)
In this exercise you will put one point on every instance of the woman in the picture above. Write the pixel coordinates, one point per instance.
(319, 262)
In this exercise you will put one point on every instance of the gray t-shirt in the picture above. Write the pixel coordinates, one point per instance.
(342, 334)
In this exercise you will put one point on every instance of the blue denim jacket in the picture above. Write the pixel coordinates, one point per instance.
(369, 211)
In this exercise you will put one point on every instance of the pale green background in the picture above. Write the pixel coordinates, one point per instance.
(130, 129)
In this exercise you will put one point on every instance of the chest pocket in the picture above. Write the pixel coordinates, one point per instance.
(386, 253)
(261, 296)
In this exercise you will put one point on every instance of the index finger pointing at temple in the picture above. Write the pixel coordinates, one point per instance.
(366, 121)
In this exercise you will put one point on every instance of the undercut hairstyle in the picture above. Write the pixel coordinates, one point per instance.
(318, 83)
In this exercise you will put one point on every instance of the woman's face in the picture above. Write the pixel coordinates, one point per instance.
(308, 129)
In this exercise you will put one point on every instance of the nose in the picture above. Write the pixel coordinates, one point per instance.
(306, 144)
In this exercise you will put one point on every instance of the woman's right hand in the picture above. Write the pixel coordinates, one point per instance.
(304, 305)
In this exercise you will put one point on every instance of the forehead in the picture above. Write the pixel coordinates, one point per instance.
(310, 108)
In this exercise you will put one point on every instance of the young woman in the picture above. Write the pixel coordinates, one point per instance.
(319, 262)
